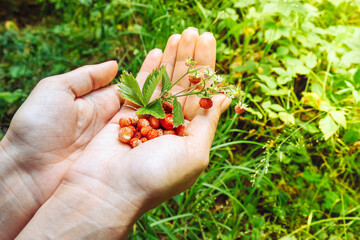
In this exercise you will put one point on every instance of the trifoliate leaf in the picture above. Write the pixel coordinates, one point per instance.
(130, 90)
(154, 108)
(166, 83)
(178, 115)
(339, 117)
(327, 126)
(151, 82)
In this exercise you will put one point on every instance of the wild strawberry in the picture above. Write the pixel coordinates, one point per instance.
(239, 109)
(134, 120)
(161, 132)
(167, 122)
(142, 123)
(180, 130)
(124, 122)
(152, 134)
(137, 135)
(205, 103)
(126, 134)
(135, 142)
(143, 139)
(154, 122)
(169, 132)
(133, 128)
(194, 79)
(168, 107)
(144, 131)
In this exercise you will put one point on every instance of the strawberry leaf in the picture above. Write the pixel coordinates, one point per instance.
(151, 82)
(129, 89)
(166, 83)
(154, 108)
(178, 115)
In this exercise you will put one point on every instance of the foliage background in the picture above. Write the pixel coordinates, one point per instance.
(288, 167)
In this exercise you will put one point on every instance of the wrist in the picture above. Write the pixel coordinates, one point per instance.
(84, 209)
(18, 196)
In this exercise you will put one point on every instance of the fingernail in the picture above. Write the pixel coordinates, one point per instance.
(193, 28)
(208, 33)
(156, 50)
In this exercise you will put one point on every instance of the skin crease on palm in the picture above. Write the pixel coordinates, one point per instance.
(66, 123)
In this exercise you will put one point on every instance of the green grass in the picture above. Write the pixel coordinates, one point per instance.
(296, 60)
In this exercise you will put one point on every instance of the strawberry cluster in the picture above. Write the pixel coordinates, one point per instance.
(134, 131)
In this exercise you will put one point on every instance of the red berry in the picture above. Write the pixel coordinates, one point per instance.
(133, 128)
(161, 132)
(142, 123)
(167, 122)
(168, 107)
(124, 122)
(239, 109)
(169, 132)
(135, 142)
(205, 103)
(143, 139)
(134, 121)
(152, 134)
(180, 130)
(137, 135)
(126, 134)
(194, 79)
(154, 122)
(145, 130)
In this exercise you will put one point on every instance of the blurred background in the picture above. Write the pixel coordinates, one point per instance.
(288, 167)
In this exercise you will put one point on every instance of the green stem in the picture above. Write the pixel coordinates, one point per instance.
(179, 79)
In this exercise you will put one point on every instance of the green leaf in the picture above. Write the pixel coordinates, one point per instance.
(287, 118)
(269, 80)
(178, 115)
(350, 57)
(352, 135)
(282, 51)
(254, 112)
(130, 90)
(166, 83)
(326, 107)
(151, 82)
(339, 117)
(154, 108)
(327, 126)
(308, 126)
(357, 80)
(284, 79)
(277, 108)
(310, 60)
(244, 3)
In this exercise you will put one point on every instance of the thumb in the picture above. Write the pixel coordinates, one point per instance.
(82, 80)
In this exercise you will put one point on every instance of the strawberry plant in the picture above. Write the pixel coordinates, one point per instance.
(205, 84)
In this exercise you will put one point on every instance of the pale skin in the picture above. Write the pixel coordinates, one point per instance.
(62, 152)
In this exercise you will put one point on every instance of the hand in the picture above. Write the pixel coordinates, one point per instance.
(49, 131)
(131, 181)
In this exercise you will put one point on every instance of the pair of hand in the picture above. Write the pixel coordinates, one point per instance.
(61, 153)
